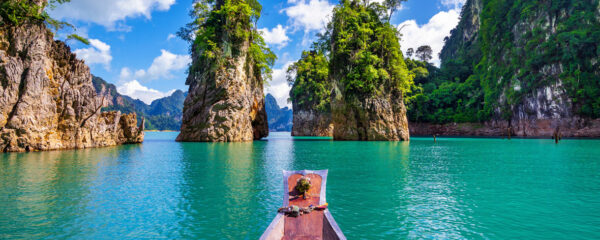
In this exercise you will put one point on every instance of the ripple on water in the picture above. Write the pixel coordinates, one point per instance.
(453, 189)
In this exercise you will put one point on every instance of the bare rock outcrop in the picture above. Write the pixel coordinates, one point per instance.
(309, 122)
(377, 118)
(224, 105)
(48, 101)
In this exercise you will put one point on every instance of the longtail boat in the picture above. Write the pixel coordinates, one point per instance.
(314, 225)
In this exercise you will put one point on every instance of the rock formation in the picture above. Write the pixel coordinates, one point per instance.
(380, 118)
(48, 101)
(225, 106)
(225, 101)
(369, 75)
(311, 95)
(311, 122)
(531, 65)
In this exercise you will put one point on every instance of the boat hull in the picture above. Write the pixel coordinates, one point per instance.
(315, 225)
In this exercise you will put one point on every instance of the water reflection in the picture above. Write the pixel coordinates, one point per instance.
(455, 188)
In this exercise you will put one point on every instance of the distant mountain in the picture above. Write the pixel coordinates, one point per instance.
(162, 114)
(166, 113)
(280, 119)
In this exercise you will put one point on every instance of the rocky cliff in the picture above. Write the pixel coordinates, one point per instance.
(226, 105)
(309, 122)
(311, 95)
(528, 67)
(225, 101)
(48, 100)
(381, 118)
(368, 74)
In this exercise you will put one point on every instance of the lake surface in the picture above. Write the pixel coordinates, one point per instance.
(455, 188)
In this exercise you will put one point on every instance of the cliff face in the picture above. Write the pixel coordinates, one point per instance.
(309, 122)
(226, 105)
(381, 118)
(48, 101)
(225, 101)
(311, 95)
(368, 74)
(533, 68)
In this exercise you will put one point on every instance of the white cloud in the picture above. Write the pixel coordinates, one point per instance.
(432, 33)
(162, 67)
(276, 36)
(109, 13)
(171, 36)
(135, 90)
(311, 16)
(97, 53)
(453, 4)
(278, 86)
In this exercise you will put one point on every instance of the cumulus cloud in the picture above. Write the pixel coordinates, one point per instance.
(137, 91)
(109, 13)
(278, 86)
(311, 15)
(162, 67)
(97, 53)
(431, 33)
(276, 36)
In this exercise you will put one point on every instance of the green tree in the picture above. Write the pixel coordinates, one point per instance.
(218, 31)
(18, 12)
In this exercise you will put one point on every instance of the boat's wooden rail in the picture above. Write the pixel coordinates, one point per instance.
(315, 225)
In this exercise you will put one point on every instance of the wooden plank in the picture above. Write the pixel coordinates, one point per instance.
(307, 226)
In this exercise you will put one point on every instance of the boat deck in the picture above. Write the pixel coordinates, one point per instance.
(307, 226)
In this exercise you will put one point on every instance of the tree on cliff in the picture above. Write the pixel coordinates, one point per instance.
(309, 78)
(235, 19)
(365, 53)
(230, 62)
(17, 12)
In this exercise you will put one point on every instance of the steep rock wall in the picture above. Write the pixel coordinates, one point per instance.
(530, 58)
(48, 101)
(226, 105)
(381, 118)
(308, 122)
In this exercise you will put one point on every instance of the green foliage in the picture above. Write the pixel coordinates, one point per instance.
(18, 12)
(366, 55)
(219, 30)
(78, 38)
(309, 78)
(516, 52)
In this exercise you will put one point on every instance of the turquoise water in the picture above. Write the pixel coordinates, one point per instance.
(455, 188)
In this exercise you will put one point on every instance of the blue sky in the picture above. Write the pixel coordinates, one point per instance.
(134, 44)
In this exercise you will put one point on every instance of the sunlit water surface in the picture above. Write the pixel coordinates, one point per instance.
(455, 188)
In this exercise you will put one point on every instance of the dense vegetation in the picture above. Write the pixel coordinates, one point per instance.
(219, 30)
(18, 12)
(360, 48)
(521, 46)
(365, 54)
(309, 78)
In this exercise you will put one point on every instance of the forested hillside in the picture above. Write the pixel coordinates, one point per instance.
(525, 64)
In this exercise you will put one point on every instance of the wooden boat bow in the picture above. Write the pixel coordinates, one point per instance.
(314, 225)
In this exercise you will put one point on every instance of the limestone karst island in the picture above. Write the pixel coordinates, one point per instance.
(299, 119)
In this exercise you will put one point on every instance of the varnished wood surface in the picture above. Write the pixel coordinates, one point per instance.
(306, 226)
